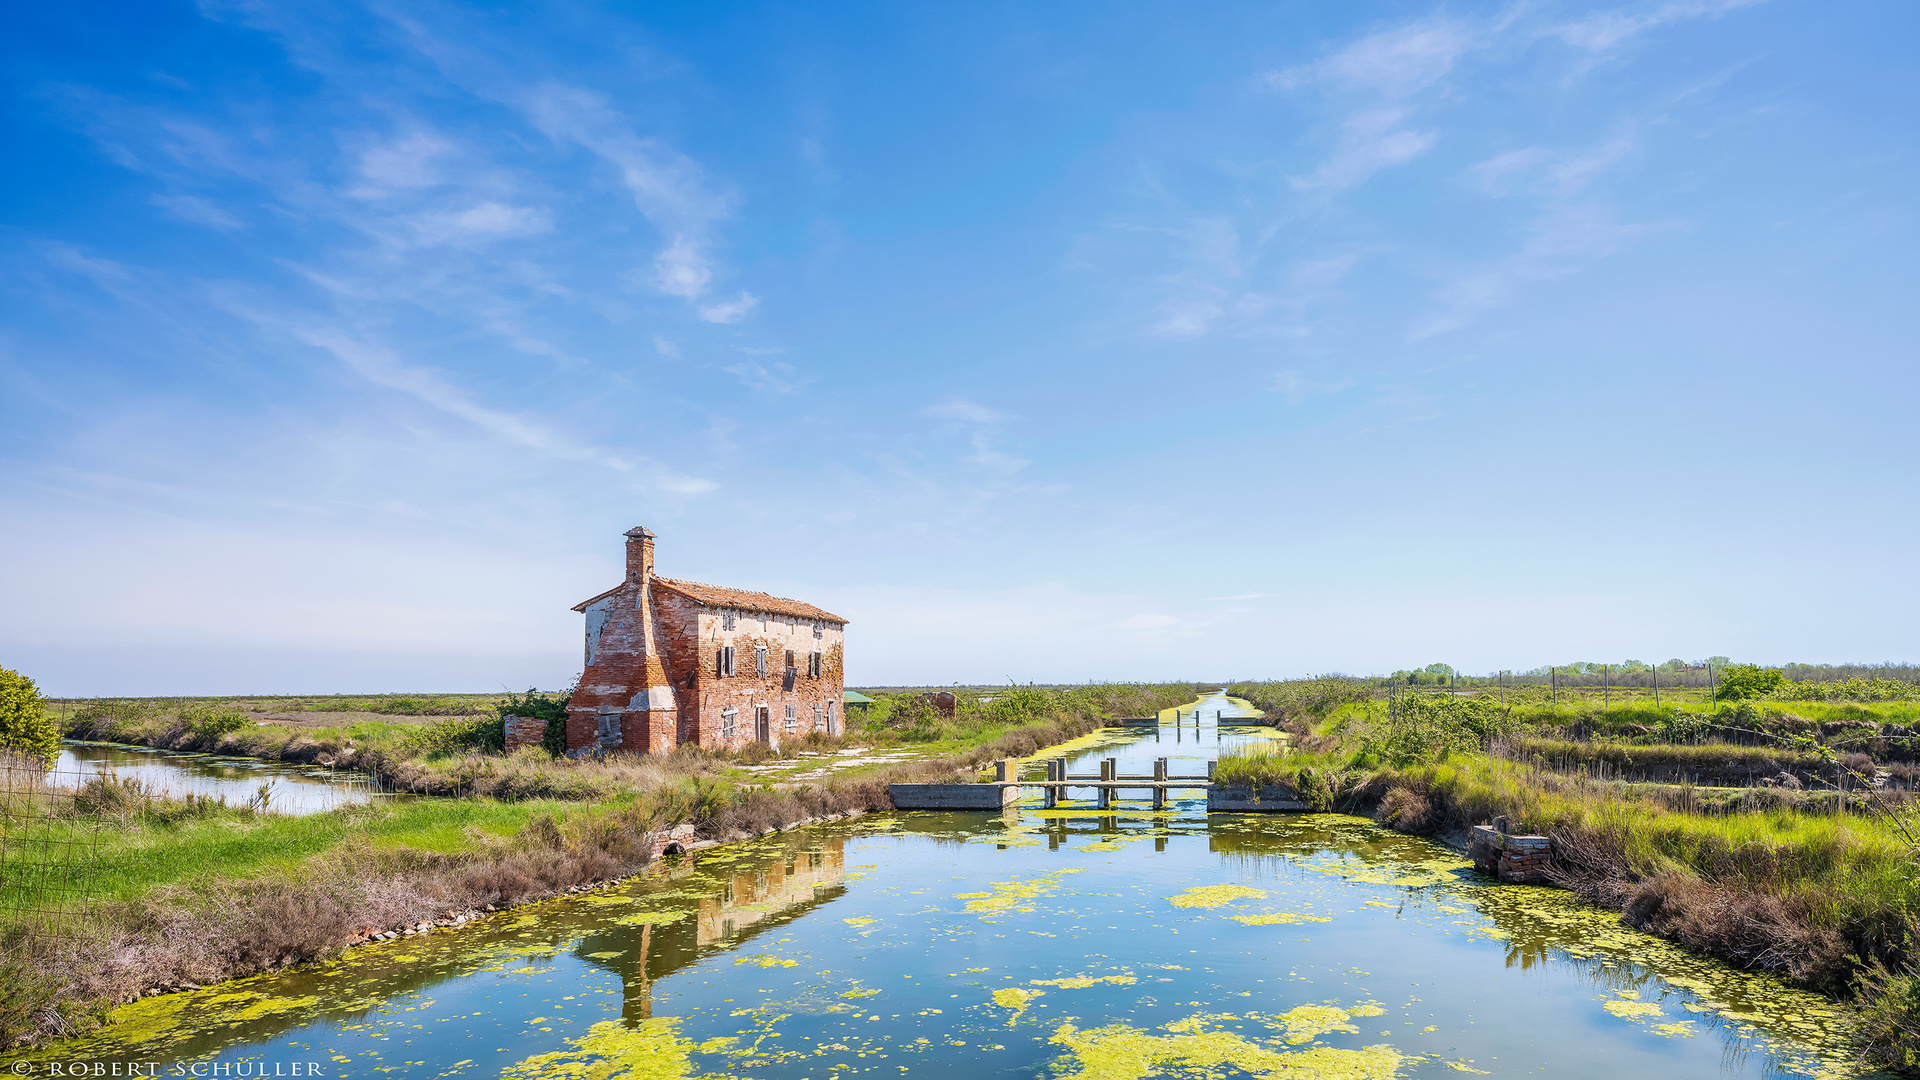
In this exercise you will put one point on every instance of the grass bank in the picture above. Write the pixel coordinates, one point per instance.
(1778, 870)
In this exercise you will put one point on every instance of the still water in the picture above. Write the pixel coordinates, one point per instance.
(288, 789)
(1070, 943)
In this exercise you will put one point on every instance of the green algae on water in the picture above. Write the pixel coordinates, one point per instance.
(1124, 1052)
(652, 1050)
(1213, 896)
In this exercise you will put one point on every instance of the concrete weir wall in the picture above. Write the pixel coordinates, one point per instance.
(953, 796)
(1245, 800)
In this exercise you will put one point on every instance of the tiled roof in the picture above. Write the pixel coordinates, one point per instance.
(743, 600)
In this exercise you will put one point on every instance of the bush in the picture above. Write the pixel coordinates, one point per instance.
(1427, 727)
(1748, 680)
(210, 722)
(535, 707)
(1890, 1019)
(24, 727)
(458, 736)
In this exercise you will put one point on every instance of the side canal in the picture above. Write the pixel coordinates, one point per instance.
(1104, 945)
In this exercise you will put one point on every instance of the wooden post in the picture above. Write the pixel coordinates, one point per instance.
(1656, 684)
(1159, 792)
(1109, 768)
(1003, 770)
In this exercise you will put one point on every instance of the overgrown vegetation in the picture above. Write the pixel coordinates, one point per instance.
(1773, 831)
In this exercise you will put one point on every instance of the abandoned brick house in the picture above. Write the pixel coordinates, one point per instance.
(672, 662)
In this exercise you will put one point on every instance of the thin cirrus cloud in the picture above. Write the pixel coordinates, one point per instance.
(981, 425)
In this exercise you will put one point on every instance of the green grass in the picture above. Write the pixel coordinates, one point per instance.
(135, 856)
(1847, 864)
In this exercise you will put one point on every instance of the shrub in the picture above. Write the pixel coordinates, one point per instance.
(1427, 727)
(1748, 680)
(24, 727)
(210, 722)
(1890, 1019)
(458, 736)
(535, 707)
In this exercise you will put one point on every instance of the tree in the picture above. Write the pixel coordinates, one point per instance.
(24, 727)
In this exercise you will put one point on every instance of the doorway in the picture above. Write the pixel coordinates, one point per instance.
(763, 725)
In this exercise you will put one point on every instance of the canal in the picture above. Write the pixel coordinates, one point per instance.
(1073, 943)
(241, 781)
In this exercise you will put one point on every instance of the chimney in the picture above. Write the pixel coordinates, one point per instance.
(639, 554)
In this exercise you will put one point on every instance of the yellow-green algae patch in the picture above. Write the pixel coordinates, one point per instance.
(1305, 1023)
(1016, 998)
(1274, 918)
(1123, 1052)
(1081, 982)
(859, 921)
(653, 1050)
(1010, 895)
(1213, 896)
(766, 960)
(650, 918)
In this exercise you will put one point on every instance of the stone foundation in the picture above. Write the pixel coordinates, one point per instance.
(1502, 849)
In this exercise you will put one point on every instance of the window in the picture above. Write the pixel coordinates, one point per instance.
(816, 716)
(789, 657)
(760, 661)
(609, 728)
(724, 665)
(816, 631)
(729, 723)
(813, 665)
(726, 620)
(792, 725)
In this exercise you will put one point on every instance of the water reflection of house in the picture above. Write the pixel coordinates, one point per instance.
(754, 899)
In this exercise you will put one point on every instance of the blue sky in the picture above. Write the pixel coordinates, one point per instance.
(339, 343)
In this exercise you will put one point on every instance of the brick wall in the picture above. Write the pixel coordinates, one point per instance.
(695, 636)
(623, 672)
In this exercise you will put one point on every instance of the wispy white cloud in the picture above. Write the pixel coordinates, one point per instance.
(959, 408)
(1296, 388)
(379, 364)
(1540, 170)
(1394, 63)
(1370, 141)
(1605, 30)
(198, 210)
(729, 311)
(776, 378)
(1560, 243)
(984, 424)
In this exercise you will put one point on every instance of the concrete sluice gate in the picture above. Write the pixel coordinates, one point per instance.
(1145, 762)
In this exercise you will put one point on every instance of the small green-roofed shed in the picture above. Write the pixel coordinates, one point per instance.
(855, 698)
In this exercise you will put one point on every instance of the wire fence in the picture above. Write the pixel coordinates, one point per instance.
(49, 852)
